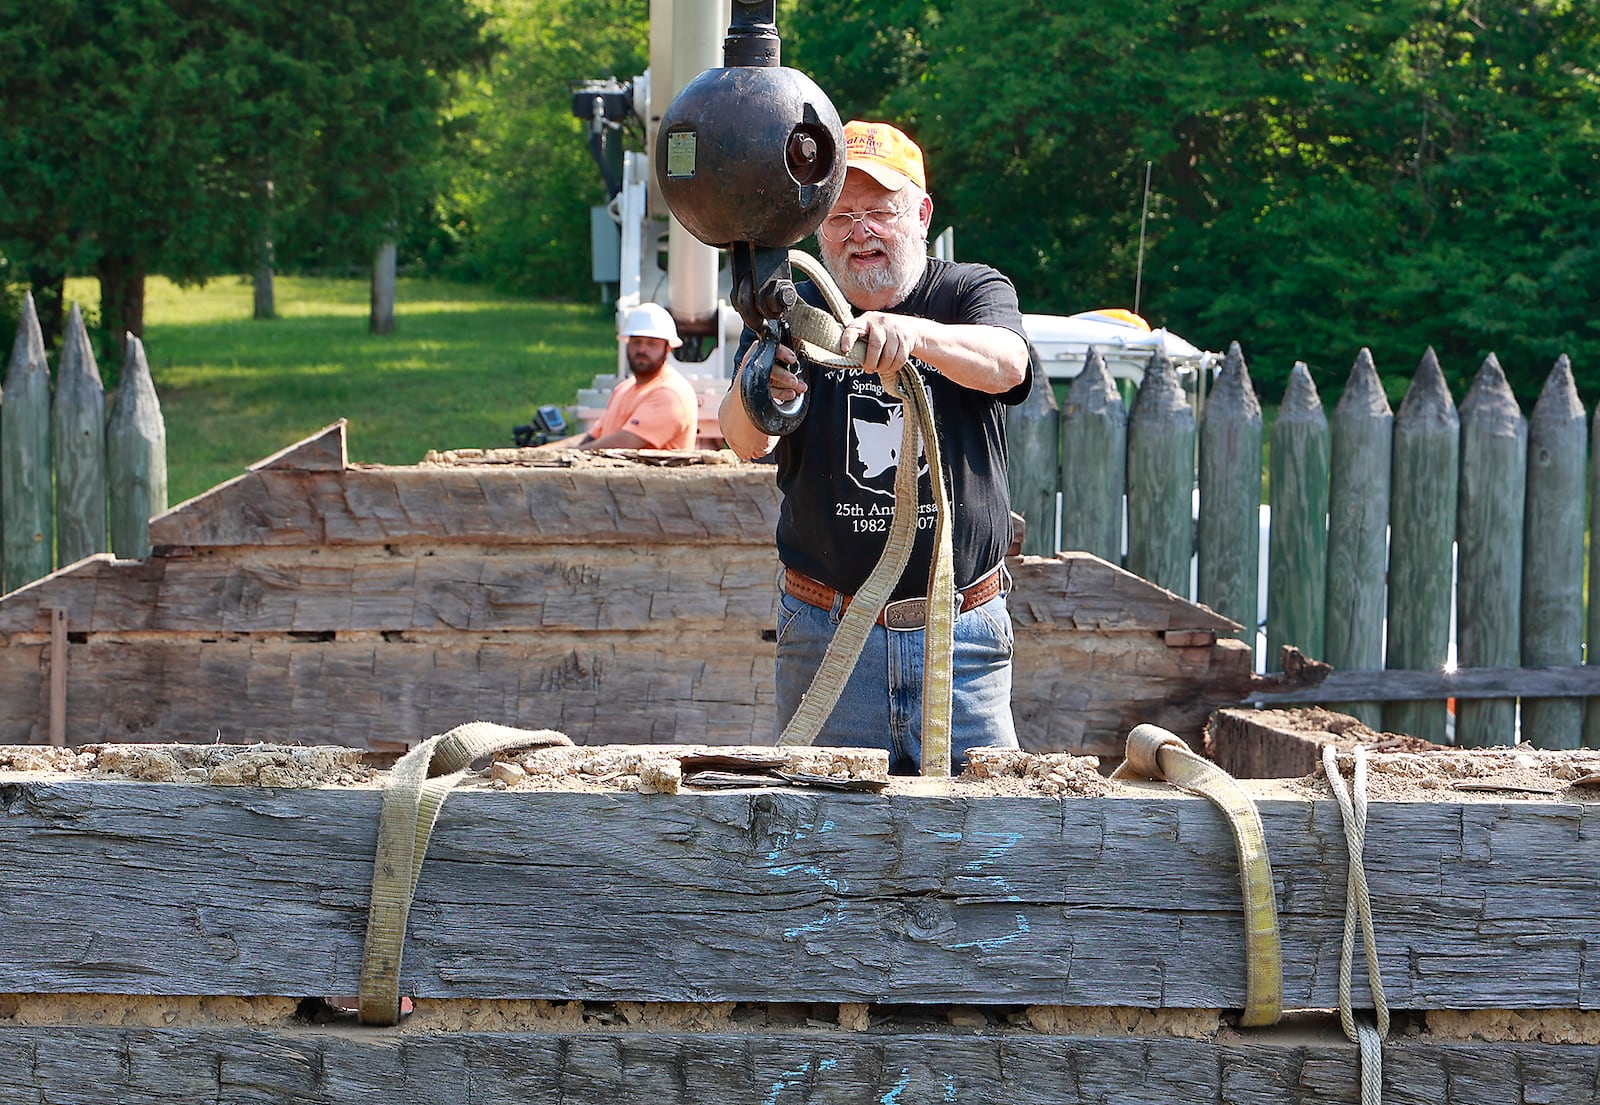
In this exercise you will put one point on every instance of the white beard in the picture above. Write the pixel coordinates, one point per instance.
(907, 259)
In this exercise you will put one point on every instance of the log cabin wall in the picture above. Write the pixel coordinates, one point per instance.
(617, 599)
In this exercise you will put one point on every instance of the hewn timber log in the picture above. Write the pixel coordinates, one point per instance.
(609, 598)
(331, 1066)
(925, 894)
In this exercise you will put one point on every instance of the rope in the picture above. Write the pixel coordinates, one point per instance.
(413, 795)
(1155, 753)
(817, 333)
(1358, 907)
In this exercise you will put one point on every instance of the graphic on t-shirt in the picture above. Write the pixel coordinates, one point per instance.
(876, 427)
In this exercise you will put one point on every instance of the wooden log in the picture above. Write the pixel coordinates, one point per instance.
(1463, 683)
(323, 451)
(1288, 743)
(1229, 533)
(136, 455)
(78, 432)
(555, 589)
(27, 498)
(490, 505)
(676, 640)
(927, 894)
(1094, 462)
(648, 1065)
(1494, 466)
(1422, 530)
(381, 320)
(1362, 432)
(1297, 543)
(1033, 442)
(1552, 565)
(1161, 475)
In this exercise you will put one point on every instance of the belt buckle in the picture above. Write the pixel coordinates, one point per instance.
(905, 615)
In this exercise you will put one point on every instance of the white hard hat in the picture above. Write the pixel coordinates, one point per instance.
(650, 320)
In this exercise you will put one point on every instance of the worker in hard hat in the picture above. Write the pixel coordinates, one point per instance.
(655, 407)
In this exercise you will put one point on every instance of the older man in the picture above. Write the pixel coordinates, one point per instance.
(960, 326)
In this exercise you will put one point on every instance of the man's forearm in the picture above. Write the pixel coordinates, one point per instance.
(742, 435)
(990, 359)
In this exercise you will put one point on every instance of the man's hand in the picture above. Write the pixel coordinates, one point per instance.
(891, 340)
(784, 383)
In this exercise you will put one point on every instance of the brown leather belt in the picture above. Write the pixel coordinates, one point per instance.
(902, 614)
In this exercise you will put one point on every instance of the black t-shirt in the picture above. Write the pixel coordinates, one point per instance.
(837, 470)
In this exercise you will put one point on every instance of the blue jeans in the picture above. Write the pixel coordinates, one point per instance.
(881, 706)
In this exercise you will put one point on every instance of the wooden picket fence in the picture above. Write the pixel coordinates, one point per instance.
(74, 482)
(1373, 513)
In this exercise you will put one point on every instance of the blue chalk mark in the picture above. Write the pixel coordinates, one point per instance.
(893, 1096)
(949, 1087)
(998, 941)
(1008, 842)
(792, 1077)
(785, 1080)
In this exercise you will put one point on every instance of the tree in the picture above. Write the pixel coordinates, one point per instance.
(137, 133)
(516, 210)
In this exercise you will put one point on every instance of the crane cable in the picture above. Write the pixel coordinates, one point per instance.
(818, 333)
(1358, 909)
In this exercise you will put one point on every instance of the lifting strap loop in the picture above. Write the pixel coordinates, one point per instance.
(413, 795)
(817, 333)
(1154, 753)
(1358, 909)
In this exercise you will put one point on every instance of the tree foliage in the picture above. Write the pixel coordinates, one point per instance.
(138, 135)
(1324, 175)
(516, 211)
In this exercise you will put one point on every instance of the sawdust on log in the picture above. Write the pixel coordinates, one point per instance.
(1471, 775)
(579, 458)
(133, 1011)
(1322, 726)
(1545, 1026)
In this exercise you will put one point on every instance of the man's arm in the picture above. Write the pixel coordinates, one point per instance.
(985, 358)
(743, 436)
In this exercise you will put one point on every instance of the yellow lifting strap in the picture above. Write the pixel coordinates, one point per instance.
(1155, 753)
(818, 334)
(413, 795)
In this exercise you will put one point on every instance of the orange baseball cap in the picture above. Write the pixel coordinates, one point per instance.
(885, 154)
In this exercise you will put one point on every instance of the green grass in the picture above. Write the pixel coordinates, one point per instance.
(463, 366)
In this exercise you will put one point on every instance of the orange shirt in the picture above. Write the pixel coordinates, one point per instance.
(665, 411)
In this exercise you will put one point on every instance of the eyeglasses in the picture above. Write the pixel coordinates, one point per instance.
(838, 227)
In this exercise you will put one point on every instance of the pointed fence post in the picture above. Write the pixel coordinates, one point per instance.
(1422, 531)
(78, 431)
(1161, 437)
(136, 453)
(1229, 536)
(1297, 544)
(1591, 714)
(26, 494)
(1358, 529)
(1552, 560)
(1094, 458)
(1033, 446)
(1493, 490)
